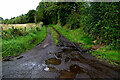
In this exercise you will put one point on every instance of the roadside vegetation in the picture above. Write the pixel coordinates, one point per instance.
(78, 36)
(54, 34)
(94, 24)
(21, 41)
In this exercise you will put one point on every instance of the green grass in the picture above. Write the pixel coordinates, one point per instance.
(12, 33)
(17, 45)
(78, 36)
(54, 35)
(111, 56)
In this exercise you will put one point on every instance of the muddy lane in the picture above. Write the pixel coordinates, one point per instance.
(32, 64)
(66, 60)
(76, 63)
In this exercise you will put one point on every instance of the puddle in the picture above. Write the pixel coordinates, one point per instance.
(69, 50)
(53, 61)
(51, 68)
(76, 69)
(58, 55)
(67, 59)
(75, 59)
(67, 74)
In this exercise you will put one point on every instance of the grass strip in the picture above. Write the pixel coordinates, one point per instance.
(18, 45)
(77, 36)
(54, 35)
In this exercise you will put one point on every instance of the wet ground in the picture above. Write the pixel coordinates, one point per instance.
(66, 60)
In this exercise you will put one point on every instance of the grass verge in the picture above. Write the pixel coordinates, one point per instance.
(54, 35)
(78, 36)
(110, 56)
(20, 44)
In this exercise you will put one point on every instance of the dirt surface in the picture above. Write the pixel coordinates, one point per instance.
(66, 60)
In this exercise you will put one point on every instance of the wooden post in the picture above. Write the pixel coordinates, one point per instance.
(25, 28)
(13, 28)
(31, 28)
(1, 28)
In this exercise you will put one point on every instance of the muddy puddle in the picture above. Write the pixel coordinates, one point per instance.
(53, 61)
(62, 62)
(70, 63)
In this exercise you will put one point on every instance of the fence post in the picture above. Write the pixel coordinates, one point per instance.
(25, 28)
(1, 28)
(31, 28)
(13, 28)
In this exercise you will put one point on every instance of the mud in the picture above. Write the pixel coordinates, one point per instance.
(67, 60)
(53, 61)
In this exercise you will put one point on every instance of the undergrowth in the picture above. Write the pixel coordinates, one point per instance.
(19, 44)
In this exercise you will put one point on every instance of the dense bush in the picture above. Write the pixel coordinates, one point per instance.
(101, 21)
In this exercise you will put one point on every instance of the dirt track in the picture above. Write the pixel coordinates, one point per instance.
(63, 61)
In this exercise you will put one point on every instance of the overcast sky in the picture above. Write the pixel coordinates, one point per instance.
(13, 8)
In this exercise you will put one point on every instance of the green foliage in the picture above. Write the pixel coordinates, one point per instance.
(111, 56)
(76, 35)
(26, 18)
(12, 33)
(1, 19)
(101, 21)
(30, 16)
(18, 20)
(54, 34)
(38, 28)
(19, 44)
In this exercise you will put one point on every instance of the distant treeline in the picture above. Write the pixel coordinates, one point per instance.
(100, 20)
(24, 18)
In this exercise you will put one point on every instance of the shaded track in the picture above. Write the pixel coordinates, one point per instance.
(63, 61)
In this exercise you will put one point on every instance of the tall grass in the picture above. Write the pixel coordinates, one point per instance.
(77, 36)
(19, 44)
(54, 35)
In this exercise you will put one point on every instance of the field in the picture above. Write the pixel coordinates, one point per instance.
(29, 25)
(16, 41)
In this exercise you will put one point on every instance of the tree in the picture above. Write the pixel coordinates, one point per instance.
(30, 16)
(1, 19)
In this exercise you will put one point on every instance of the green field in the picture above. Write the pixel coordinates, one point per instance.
(18, 44)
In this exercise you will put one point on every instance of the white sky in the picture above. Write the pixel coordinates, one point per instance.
(13, 8)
